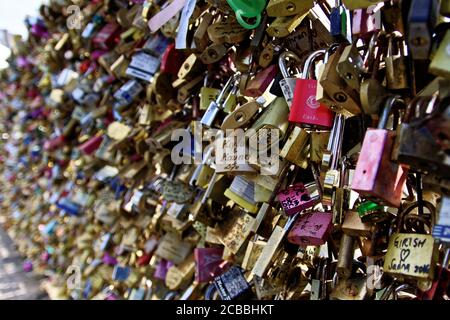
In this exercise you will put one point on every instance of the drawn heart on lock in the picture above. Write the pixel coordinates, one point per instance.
(404, 254)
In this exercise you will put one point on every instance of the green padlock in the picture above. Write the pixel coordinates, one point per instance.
(371, 212)
(248, 9)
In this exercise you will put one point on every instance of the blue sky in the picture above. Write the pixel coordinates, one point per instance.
(12, 15)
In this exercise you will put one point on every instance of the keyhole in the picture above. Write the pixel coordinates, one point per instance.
(212, 53)
(290, 7)
(239, 117)
(340, 97)
(349, 76)
(419, 41)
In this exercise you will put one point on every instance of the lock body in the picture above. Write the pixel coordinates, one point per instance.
(375, 174)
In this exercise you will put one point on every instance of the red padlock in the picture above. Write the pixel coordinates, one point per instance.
(258, 85)
(305, 109)
(172, 60)
(54, 143)
(107, 36)
(90, 146)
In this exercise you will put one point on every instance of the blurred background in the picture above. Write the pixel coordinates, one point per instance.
(12, 16)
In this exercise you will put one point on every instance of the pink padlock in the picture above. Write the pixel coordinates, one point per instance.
(311, 229)
(207, 261)
(91, 145)
(376, 176)
(295, 199)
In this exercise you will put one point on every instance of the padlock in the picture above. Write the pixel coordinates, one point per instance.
(272, 247)
(330, 159)
(227, 31)
(353, 225)
(298, 198)
(252, 254)
(311, 229)
(421, 21)
(305, 110)
(366, 21)
(350, 67)
(207, 94)
(358, 4)
(392, 17)
(106, 37)
(215, 106)
(213, 53)
(267, 54)
(171, 60)
(258, 85)
(441, 230)
(439, 63)
(371, 212)
(336, 87)
(283, 8)
(232, 284)
(352, 288)
(234, 233)
(288, 83)
(375, 173)
(241, 191)
(294, 146)
(411, 254)
(207, 261)
(414, 146)
(181, 275)
(283, 26)
(338, 21)
(241, 116)
(397, 71)
(201, 35)
(372, 93)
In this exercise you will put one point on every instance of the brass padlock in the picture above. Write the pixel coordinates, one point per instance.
(397, 67)
(283, 8)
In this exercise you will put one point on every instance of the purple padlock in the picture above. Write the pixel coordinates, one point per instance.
(109, 260)
(311, 229)
(28, 266)
(162, 268)
(295, 199)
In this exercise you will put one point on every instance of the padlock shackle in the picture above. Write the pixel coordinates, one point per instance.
(228, 86)
(311, 58)
(403, 287)
(282, 65)
(332, 49)
(407, 211)
(388, 106)
(417, 109)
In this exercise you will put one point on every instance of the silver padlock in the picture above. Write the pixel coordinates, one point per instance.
(214, 107)
(287, 84)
